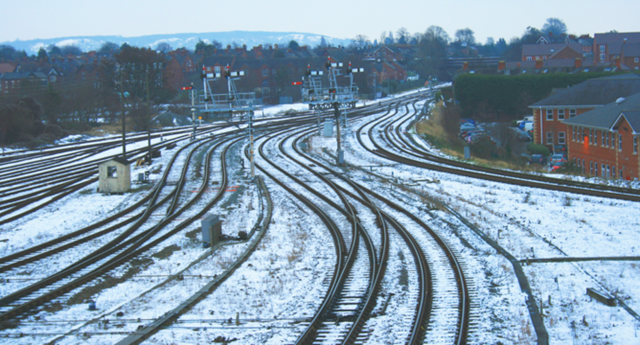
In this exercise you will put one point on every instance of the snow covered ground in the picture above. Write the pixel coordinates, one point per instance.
(283, 282)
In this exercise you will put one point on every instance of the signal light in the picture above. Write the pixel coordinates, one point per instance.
(186, 88)
(296, 83)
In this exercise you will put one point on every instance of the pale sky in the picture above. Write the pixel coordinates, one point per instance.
(31, 19)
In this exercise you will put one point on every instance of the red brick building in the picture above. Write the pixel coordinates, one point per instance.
(607, 47)
(604, 141)
(551, 114)
(569, 50)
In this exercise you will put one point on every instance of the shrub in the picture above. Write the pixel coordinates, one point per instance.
(538, 149)
(484, 147)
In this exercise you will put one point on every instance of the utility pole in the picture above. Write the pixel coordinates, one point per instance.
(193, 111)
(124, 140)
(148, 118)
(340, 152)
(253, 175)
(375, 91)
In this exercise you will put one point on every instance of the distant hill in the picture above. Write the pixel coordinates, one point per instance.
(188, 40)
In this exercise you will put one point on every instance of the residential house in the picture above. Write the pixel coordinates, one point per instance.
(607, 47)
(18, 82)
(604, 141)
(569, 50)
(549, 114)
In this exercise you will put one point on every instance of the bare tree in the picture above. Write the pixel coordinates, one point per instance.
(164, 47)
(403, 35)
(383, 36)
(465, 36)
(555, 26)
(450, 121)
(360, 42)
(436, 33)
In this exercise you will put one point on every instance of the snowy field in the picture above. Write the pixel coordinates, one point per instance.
(283, 281)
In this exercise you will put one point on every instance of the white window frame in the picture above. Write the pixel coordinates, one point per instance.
(591, 168)
(590, 136)
(529, 58)
(602, 56)
(574, 132)
(603, 138)
(595, 137)
(216, 69)
(619, 141)
(636, 59)
(549, 115)
(549, 138)
(635, 145)
(560, 114)
(562, 138)
(602, 48)
(572, 112)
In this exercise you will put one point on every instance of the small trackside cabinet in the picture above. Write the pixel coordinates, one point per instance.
(328, 128)
(211, 230)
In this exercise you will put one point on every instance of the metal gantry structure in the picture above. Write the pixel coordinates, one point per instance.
(240, 105)
(332, 97)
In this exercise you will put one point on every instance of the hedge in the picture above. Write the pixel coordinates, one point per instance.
(502, 93)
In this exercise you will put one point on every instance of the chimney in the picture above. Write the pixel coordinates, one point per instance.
(501, 65)
(618, 62)
(518, 65)
(578, 63)
(244, 47)
(465, 66)
(275, 46)
(215, 51)
(538, 63)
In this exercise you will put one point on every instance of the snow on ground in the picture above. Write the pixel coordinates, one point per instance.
(283, 281)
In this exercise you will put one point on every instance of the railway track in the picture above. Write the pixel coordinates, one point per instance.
(400, 148)
(115, 253)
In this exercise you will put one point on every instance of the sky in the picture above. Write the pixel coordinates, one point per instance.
(39, 19)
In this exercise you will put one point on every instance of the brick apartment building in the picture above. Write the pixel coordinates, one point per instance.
(604, 141)
(550, 114)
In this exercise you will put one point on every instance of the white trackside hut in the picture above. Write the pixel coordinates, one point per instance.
(114, 176)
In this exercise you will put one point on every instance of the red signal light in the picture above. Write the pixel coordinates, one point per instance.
(296, 83)
(186, 88)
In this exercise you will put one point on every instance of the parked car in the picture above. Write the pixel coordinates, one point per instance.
(526, 126)
(557, 166)
(561, 149)
(526, 118)
(538, 159)
(471, 121)
(466, 126)
(469, 132)
(557, 157)
(522, 135)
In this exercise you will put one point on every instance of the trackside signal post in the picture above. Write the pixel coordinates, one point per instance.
(333, 97)
(240, 104)
(192, 95)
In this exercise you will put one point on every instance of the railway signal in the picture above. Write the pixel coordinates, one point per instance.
(333, 97)
(192, 95)
(232, 103)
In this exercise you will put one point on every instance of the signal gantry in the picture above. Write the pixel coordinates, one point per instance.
(333, 97)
